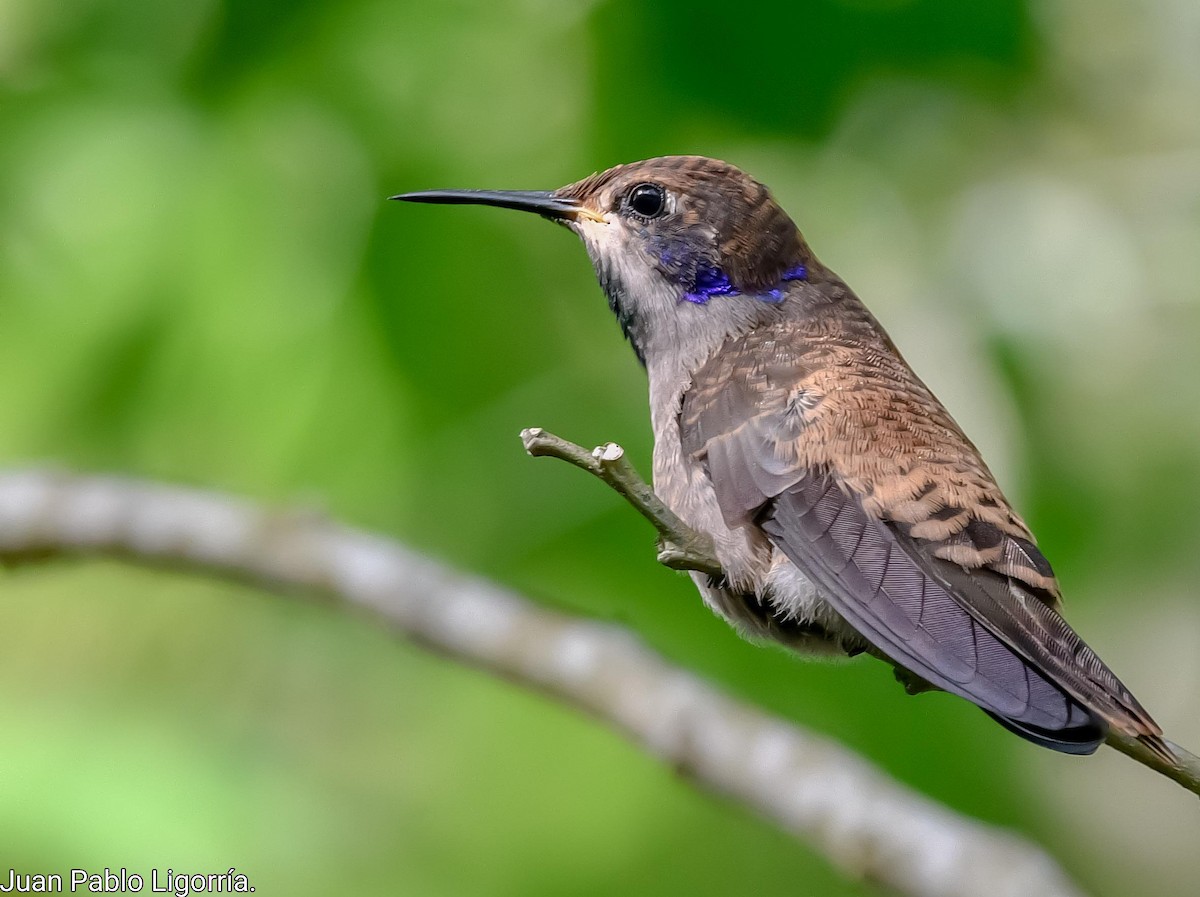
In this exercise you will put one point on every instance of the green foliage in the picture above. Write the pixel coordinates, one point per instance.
(200, 281)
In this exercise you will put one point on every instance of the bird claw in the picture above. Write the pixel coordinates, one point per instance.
(913, 684)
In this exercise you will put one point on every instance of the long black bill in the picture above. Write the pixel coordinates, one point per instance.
(542, 202)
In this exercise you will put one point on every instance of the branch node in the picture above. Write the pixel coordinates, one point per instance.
(609, 452)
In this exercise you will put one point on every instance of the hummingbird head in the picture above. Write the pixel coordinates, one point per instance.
(679, 244)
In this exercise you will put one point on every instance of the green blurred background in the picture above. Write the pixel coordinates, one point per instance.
(200, 282)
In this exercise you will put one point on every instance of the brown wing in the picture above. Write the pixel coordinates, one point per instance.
(819, 433)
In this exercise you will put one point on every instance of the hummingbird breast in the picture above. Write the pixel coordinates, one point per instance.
(764, 596)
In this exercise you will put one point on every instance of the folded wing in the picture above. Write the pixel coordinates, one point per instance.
(859, 476)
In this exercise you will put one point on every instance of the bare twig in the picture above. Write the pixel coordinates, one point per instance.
(680, 546)
(697, 554)
(863, 821)
(1186, 771)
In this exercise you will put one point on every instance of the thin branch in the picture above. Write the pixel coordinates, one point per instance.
(698, 554)
(830, 798)
(680, 546)
(1186, 771)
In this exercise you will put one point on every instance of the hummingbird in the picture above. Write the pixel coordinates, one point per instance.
(848, 510)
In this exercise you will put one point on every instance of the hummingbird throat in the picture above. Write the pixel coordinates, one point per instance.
(709, 281)
(702, 279)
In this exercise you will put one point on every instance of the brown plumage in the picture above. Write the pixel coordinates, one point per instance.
(808, 429)
(846, 506)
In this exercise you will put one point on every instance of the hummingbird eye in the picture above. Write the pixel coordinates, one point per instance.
(647, 200)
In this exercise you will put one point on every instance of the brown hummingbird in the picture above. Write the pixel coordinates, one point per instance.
(848, 510)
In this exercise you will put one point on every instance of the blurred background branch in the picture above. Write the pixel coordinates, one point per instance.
(863, 821)
(201, 282)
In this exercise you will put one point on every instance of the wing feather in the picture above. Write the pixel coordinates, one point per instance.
(822, 436)
(875, 584)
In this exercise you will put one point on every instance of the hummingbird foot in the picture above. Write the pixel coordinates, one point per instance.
(913, 684)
